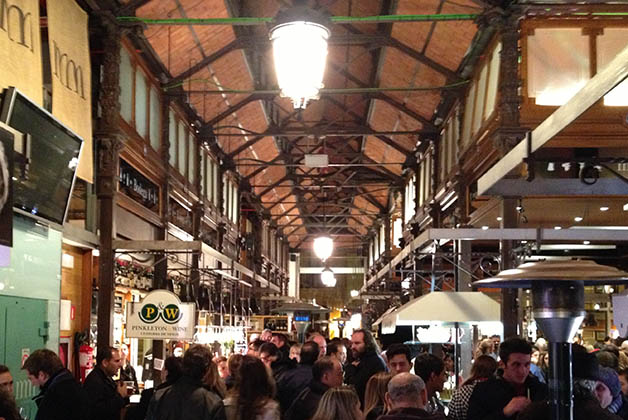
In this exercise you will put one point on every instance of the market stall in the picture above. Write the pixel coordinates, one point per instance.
(448, 317)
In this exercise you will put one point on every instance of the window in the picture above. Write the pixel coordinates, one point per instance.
(609, 44)
(215, 183)
(558, 64)
(141, 102)
(172, 139)
(397, 232)
(410, 197)
(182, 140)
(382, 238)
(468, 115)
(192, 156)
(478, 113)
(203, 174)
(493, 82)
(155, 119)
(126, 86)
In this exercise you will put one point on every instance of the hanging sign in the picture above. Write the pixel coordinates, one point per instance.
(137, 187)
(160, 316)
(68, 41)
(20, 48)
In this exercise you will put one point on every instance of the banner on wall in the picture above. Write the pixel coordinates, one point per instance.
(68, 42)
(20, 48)
(160, 316)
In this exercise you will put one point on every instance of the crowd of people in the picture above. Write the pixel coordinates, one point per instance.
(339, 379)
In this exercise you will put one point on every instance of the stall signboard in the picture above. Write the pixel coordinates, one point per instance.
(160, 316)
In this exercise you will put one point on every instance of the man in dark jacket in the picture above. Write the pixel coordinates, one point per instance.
(366, 361)
(106, 398)
(187, 398)
(431, 369)
(326, 373)
(270, 355)
(297, 379)
(281, 341)
(585, 371)
(508, 394)
(407, 396)
(61, 397)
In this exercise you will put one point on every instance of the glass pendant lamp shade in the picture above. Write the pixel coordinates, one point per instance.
(300, 53)
(323, 247)
(327, 277)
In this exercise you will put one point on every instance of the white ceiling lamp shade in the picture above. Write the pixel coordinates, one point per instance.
(323, 247)
(300, 53)
(327, 277)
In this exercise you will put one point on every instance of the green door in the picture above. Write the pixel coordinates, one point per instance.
(23, 330)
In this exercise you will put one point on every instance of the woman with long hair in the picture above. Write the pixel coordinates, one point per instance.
(234, 365)
(483, 368)
(214, 382)
(374, 402)
(252, 397)
(339, 404)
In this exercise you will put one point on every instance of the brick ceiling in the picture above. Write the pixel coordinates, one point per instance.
(356, 193)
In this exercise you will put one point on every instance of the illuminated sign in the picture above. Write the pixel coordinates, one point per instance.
(159, 316)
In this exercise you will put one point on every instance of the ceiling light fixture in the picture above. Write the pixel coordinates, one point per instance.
(323, 247)
(577, 219)
(355, 293)
(327, 277)
(299, 42)
(499, 218)
(557, 228)
(603, 208)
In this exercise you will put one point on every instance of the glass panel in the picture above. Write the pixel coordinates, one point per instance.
(141, 103)
(428, 178)
(182, 148)
(126, 86)
(215, 183)
(236, 203)
(225, 195)
(203, 174)
(453, 141)
(382, 238)
(397, 232)
(493, 81)
(172, 139)
(191, 159)
(421, 183)
(210, 179)
(611, 43)
(442, 154)
(155, 119)
(468, 116)
(450, 148)
(558, 64)
(479, 101)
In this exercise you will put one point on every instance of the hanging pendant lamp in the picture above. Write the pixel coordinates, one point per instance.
(299, 42)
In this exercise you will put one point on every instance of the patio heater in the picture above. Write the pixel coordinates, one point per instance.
(558, 308)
